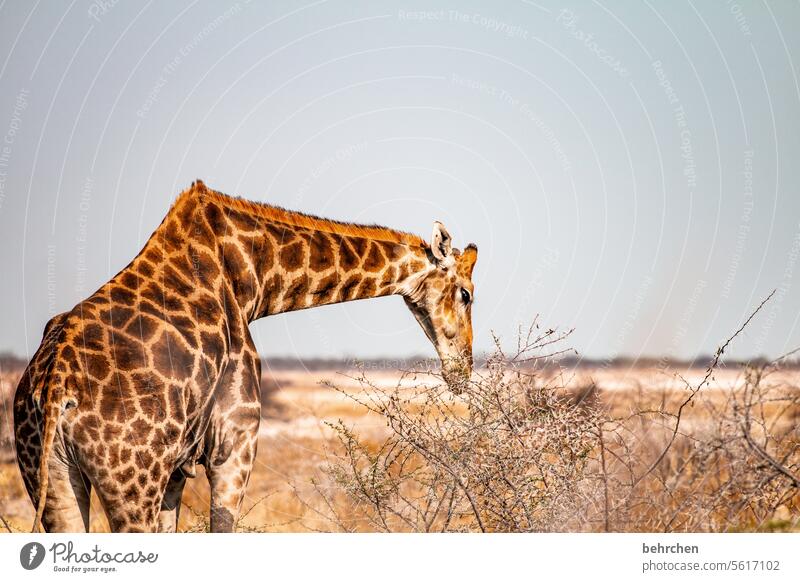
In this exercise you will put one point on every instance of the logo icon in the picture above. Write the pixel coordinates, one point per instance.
(31, 555)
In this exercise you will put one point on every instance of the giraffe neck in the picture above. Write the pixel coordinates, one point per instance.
(277, 261)
(317, 268)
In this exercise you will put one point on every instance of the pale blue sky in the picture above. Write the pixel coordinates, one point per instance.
(629, 169)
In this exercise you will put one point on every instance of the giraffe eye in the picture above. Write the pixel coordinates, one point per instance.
(465, 296)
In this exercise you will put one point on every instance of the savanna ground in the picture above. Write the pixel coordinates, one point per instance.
(529, 446)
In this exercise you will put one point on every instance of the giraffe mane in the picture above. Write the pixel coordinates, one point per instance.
(304, 220)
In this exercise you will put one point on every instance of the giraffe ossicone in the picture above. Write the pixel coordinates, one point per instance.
(156, 371)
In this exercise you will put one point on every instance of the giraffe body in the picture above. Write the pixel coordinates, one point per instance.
(156, 371)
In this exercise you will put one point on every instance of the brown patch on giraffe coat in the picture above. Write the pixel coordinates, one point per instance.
(156, 471)
(88, 428)
(159, 442)
(116, 316)
(201, 232)
(184, 266)
(128, 353)
(154, 309)
(161, 297)
(223, 396)
(293, 256)
(239, 272)
(243, 221)
(130, 280)
(120, 385)
(320, 255)
(142, 327)
(68, 352)
(111, 432)
(138, 431)
(252, 366)
(212, 344)
(131, 495)
(113, 454)
(205, 309)
(262, 254)
(176, 407)
(125, 475)
(92, 337)
(403, 272)
(347, 290)
(144, 267)
(280, 233)
(176, 282)
(348, 259)
(97, 366)
(185, 329)
(172, 237)
(375, 259)
(25, 432)
(270, 292)
(99, 450)
(367, 288)
(216, 220)
(144, 459)
(187, 213)
(416, 265)
(172, 431)
(173, 303)
(154, 254)
(295, 293)
(389, 277)
(206, 269)
(391, 250)
(359, 245)
(154, 407)
(115, 407)
(325, 288)
(233, 318)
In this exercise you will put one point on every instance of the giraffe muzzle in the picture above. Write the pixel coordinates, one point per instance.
(456, 373)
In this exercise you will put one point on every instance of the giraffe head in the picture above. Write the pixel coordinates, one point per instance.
(440, 297)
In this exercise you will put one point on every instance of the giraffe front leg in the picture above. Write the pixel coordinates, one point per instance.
(229, 465)
(171, 503)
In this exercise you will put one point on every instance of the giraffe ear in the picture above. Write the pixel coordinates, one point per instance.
(441, 246)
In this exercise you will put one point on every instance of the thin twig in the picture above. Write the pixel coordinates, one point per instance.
(709, 371)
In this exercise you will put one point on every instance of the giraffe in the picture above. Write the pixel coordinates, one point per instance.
(156, 371)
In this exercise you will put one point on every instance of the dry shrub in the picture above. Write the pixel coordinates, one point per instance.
(521, 449)
(510, 454)
(732, 466)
